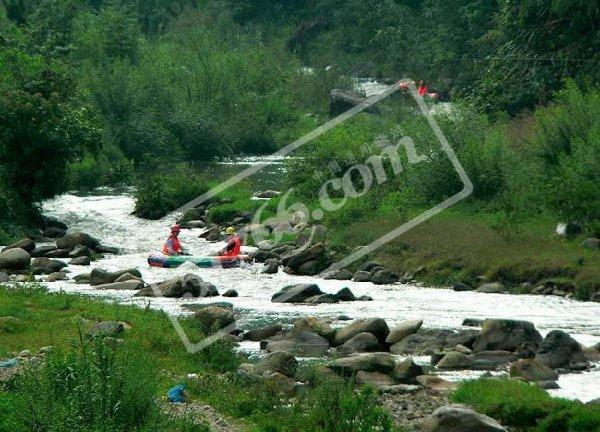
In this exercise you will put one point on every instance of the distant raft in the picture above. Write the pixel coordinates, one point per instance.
(165, 261)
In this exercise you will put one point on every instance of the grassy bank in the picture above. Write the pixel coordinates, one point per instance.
(157, 360)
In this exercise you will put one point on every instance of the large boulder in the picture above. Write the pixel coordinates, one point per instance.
(423, 342)
(491, 360)
(41, 251)
(271, 266)
(506, 335)
(454, 360)
(298, 257)
(100, 276)
(54, 232)
(407, 371)
(384, 277)
(362, 342)
(296, 293)
(15, 259)
(559, 349)
(362, 276)
(212, 317)
(345, 295)
(376, 326)
(458, 418)
(302, 344)
(368, 362)
(280, 362)
(315, 325)
(79, 251)
(81, 261)
(26, 244)
(133, 285)
(78, 238)
(49, 264)
(188, 284)
(400, 331)
(256, 335)
(532, 370)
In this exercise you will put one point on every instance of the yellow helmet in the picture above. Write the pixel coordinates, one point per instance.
(230, 230)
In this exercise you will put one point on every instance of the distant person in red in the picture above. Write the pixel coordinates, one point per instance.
(172, 245)
(422, 89)
(234, 244)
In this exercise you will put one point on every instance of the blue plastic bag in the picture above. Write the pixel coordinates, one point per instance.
(175, 394)
(9, 363)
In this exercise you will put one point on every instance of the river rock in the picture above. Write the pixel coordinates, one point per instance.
(345, 295)
(491, 288)
(309, 268)
(81, 261)
(103, 249)
(106, 328)
(4, 277)
(407, 371)
(402, 330)
(83, 278)
(268, 194)
(361, 276)
(436, 384)
(296, 293)
(384, 277)
(491, 360)
(56, 276)
(100, 276)
(26, 244)
(341, 101)
(377, 380)
(362, 342)
(54, 232)
(298, 257)
(41, 251)
(58, 253)
(271, 266)
(591, 243)
(49, 264)
(376, 326)
(341, 274)
(559, 349)
(423, 342)
(370, 265)
(188, 284)
(78, 238)
(302, 344)
(127, 277)
(230, 293)
(280, 362)
(214, 317)
(458, 418)
(200, 306)
(211, 233)
(129, 285)
(460, 286)
(472, 322)
(315, 325)
(368, 362)
(15, 259)
(262, 256)
(532, 370)
(322, 299)
(79, 251)
(256, 335)
(454, 360)
(506, 335)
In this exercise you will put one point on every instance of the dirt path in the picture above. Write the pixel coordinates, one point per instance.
(201, 413)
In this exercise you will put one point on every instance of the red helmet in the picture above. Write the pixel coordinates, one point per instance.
(175, 228)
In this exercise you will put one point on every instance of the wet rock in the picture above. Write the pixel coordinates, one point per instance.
(298, 257)
(211, 234)
(341, 274)
(532, 370)
(100, 276)
(458, 418)
(362, 276)
(423, 342)
(56, 276)
(364, 298)
(345, 295)
(200, 306)
(213, 318)
(296, 293)
(362, 342)
(491, 288)
(384, 277)
(271, 266)
(107, 249)
(106, 328)
(591, 243)
(375, 326)
(407, 371)
(462, 337)
(548, 385)
(491, 360)
(506, 335)
(58, 253)
(54, 232)
(559, 349)
(315, 325)
(15, 259)
(256, 335)
(309, 268)
(230, 293)
(127, 277)
(81, 261)
(41, 251)
(402, 330)
(368, 362)
(49, 264)
(26, 244)
(80, 251)
(83, 278)
(454, 360)
(377, 380)
(302, 344)
(78, 238)
(472, 322)
(322, 299)
(263, 256)
(194, 224)
(129, 285)
(459, 286)
(188, 284)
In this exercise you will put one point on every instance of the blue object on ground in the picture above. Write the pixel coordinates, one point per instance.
(9, 363)
(175, 394)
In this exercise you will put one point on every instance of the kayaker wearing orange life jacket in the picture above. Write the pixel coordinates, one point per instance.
(234, 244)
(173, 245)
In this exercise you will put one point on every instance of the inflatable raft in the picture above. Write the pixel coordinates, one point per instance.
(166, 261)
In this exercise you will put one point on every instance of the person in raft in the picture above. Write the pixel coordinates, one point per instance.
(173, 245)
(234, 244)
